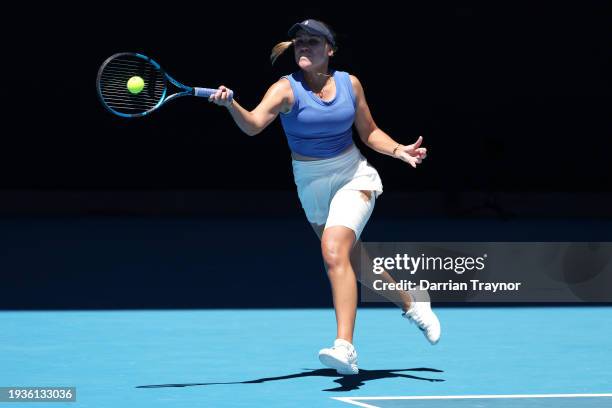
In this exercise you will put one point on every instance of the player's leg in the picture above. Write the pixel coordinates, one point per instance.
(400, 298)
(336, 245)
(349, 211)
(358, 253)
(352, 209)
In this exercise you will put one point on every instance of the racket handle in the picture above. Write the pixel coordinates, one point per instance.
(206, 92)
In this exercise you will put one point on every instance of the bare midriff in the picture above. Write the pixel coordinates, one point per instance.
(301, 157)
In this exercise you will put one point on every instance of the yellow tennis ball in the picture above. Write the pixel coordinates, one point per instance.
(135, 84)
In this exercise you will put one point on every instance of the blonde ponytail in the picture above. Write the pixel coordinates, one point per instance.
(279, 49)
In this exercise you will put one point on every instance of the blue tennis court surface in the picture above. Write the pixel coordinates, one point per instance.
(252, 358)
(489, 401)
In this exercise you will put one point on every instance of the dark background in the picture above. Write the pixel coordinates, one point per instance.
(512, 99)
(509, 96)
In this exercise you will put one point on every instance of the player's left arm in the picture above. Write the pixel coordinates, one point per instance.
(373, 137)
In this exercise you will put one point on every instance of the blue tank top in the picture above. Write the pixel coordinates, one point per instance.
(319, 128)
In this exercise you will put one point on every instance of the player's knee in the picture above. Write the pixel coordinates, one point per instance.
(335, 255)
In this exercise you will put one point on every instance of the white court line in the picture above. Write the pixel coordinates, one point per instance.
(355, 400)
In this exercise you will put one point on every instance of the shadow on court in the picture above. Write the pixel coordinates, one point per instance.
(347, 383)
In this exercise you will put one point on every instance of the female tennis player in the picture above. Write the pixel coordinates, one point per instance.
(336, 185)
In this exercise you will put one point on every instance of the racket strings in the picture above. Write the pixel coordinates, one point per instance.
(113, 81)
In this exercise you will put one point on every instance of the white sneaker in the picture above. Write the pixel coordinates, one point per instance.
(426, 320)
(342, 357)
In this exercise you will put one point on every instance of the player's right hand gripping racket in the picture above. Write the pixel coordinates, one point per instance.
(133, 85)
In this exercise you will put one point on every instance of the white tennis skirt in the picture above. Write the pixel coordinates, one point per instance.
(318, 181)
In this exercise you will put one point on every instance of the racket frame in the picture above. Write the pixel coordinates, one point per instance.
(184, 89)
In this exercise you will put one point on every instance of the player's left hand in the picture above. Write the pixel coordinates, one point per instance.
(412, 154)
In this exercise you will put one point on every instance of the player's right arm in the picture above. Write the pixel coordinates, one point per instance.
(278, 98)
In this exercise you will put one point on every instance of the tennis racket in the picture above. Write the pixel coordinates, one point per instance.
(133, 85)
